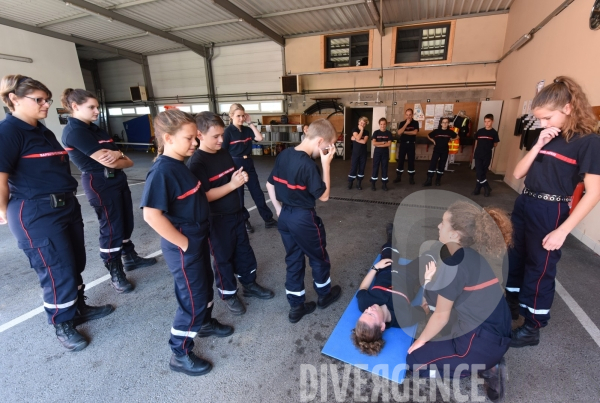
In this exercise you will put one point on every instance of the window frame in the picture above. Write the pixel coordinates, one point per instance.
(342, 35)
(448, 59)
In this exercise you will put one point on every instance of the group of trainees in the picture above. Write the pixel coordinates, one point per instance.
(486, 139)
(472, 310)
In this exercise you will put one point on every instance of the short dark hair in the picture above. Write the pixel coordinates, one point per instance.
(489, 116)
(445, 118)
(409, 109)
(383, 120)
(206, 120)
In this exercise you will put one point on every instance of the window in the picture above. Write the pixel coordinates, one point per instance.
(251, 107)
(184, 108)
(271, 106)
(347, 50)
(422, 44)
(224, 108)
(115, 111)
(128, 111)
(142, 110)
(200, 108)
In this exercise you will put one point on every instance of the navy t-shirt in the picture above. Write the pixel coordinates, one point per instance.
(173, 189)
(485, 142)
(36, 163)
(467, 279)
(560, 166)
(406, 138)
(442, 137)
(238, 142)
(82, 140)
(382, 137)
(358, 148)
(215, 170)
(296, 179)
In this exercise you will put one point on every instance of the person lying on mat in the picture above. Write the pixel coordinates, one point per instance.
(384, 306)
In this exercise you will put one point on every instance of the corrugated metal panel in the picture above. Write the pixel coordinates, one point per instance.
(180, 73)
(398, 11)
(221, 33)
(116, 76)
(94, 28)
(35, 12)
(88, 53)
(146, 44)
(252, 67)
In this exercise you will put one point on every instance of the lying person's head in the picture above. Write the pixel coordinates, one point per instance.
(367, 335)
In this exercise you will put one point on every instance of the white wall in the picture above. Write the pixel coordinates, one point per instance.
(116, 76)
(179, 73)
(55, 64)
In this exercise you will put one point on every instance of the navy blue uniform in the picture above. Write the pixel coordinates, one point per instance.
(173, 189)
(359, 157)
(110, 197)
(52, 238)
(229, 243)
(482, 322)
(381, 156)
(407, 147)
(239, 144)
(440, 150)
(483, 153)
(557, 170)
(298, 185)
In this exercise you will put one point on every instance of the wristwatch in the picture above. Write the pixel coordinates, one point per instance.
(122, 155)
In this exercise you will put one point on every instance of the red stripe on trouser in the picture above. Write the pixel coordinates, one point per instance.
(319, 232)
(212, 252)
(107, 218)
(191, 297)
(450, 356)
(43, 260)
(542, 276)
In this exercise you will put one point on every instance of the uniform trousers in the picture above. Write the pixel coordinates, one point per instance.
(381, 156)
(254, 187)
(359, 161)
(407, 150)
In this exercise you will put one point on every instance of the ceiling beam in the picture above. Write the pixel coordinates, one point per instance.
(137, 24)
(238, 12)
(307, 9)
(374, 15)
(136, 57)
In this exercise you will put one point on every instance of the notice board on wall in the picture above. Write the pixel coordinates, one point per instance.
(471, 110)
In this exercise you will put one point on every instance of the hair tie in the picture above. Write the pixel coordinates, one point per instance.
(20, 81)
(556, 81)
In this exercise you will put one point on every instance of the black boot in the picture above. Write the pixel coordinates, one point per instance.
(272, 223)
(438, 180)
(117, 276)
(86, 312)
(214, 328)
(373, 188)
(358, 182)
(235, 305)
(513, 303)
(526, 335)
(495, 380)
(298, 311)
(411, 179)
(486, 189)
(190, 364)
(428, 181)
(350, 184)
(326, 300)
(132, 261)
(384, 186)
(256, 290)
(249, 227)
(477, 189)
(69, 337)
(398, 177)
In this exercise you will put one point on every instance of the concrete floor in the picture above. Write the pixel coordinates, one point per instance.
(127, 360)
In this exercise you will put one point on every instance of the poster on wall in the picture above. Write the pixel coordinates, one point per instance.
(429, 110)
(439, 110)
(418, 112)
(429, 123)
(449, 110)
(63, 115)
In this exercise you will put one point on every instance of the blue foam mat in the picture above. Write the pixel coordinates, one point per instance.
(390, 363)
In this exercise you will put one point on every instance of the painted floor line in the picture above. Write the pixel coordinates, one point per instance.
(88, 286)
(585, 320)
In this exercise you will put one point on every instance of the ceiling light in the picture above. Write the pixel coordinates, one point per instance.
(16, 58)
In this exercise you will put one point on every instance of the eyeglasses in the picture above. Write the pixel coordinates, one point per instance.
(41, 101)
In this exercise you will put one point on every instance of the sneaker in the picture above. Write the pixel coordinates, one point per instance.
(214, 328)
(249, 227)
(69, 337)
(256, 290)
(189, 364)
(298, 311)
(235, 305)
(272, 223)
(326, 300)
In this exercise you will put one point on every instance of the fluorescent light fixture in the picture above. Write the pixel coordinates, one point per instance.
(16, 58)
(520, 42)
(85, 10)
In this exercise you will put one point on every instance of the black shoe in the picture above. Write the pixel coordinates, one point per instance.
(526, 335)
(477, 190)
(86, 312)
(350, 184)
(373, 186)
(487, 190)
(389, 228)
(427, 182)
(358, 186)
(513, 303)
(256, 290)
(69, 337)
(235, 305)
(189, 364)
(272, 223)
(214, 328)
(132, 261)
(326, 300)
(117, 277)
(495, 381)
(438, 181)
(249, 228)
(398, 178)
(297, 312)
(411, 179)
(384, 187)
